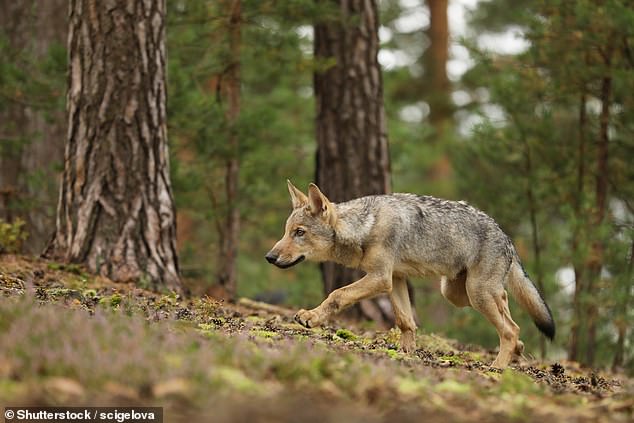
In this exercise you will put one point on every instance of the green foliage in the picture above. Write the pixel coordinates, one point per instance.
(275, 131)
(539, 163)
(499, 15)
(32, 95)
(12, 235)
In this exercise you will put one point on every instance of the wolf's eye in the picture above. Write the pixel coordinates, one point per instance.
(299, 232)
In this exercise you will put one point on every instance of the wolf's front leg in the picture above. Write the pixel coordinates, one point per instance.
(403, 314)
(368, 286)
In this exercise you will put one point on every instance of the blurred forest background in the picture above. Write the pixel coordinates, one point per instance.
(522, 108)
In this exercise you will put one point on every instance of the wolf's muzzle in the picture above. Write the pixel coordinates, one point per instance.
(273, 259)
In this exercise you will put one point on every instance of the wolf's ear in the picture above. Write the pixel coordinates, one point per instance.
(319, 204)
(298, 198)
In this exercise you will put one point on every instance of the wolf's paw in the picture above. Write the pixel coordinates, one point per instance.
(519, 348)
(308, 318)
(408, 342)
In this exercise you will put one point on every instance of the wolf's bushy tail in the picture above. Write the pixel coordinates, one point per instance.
(530, 299)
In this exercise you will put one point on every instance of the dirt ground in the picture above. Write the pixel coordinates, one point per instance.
(258, 364)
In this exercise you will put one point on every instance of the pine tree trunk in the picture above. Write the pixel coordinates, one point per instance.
(352, 146)
(582, 346)
(622, 327)
(116, 210)
(227, 264)
(436, 58)
(532, 212)
(602, 177)
(577, 310)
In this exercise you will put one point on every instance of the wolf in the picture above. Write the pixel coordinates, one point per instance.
(391, 237)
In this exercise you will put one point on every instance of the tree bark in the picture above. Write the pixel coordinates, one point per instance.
(577, 310)
(621, 323)
(116, 210)
(227, 272)
(436, 58)
(32, 140)
(352, 146)
(532, 212)
(595, 264)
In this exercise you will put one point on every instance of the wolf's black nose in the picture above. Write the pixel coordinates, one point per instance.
(271, 257)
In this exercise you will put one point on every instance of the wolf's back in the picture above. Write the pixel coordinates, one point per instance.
(530, 299)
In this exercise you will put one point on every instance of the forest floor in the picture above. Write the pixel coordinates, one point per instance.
(67, 338)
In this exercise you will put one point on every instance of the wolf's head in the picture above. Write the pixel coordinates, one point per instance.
(309, 232)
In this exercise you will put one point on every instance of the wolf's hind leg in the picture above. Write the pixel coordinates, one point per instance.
(403, 313)
(487, 295)
(454, 290)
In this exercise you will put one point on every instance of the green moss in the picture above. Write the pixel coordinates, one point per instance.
(345, 334)
(79, 282)
(112, 301)
(89, 293)
(206, 327)
(393, 354)
(492, 374)
(263, 333)
(55, 266)
(67, 267)
(393, 336)
(255, 319)
(455, 359)
(381, 352)
(115, 300)
(473, 356)
(366, 341)
(167, 301)
(60, 292)
(291, 326)
(206, 307)
(434, 342)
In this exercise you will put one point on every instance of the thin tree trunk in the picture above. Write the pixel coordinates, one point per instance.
(352, 145)
(116, 210)
(601, 191)
(534, 229)
(436, 58)
(621, 324)
(227, 269)
(573, 346)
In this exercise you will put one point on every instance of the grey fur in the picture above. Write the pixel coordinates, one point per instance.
(432, 236)
(394, 236)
